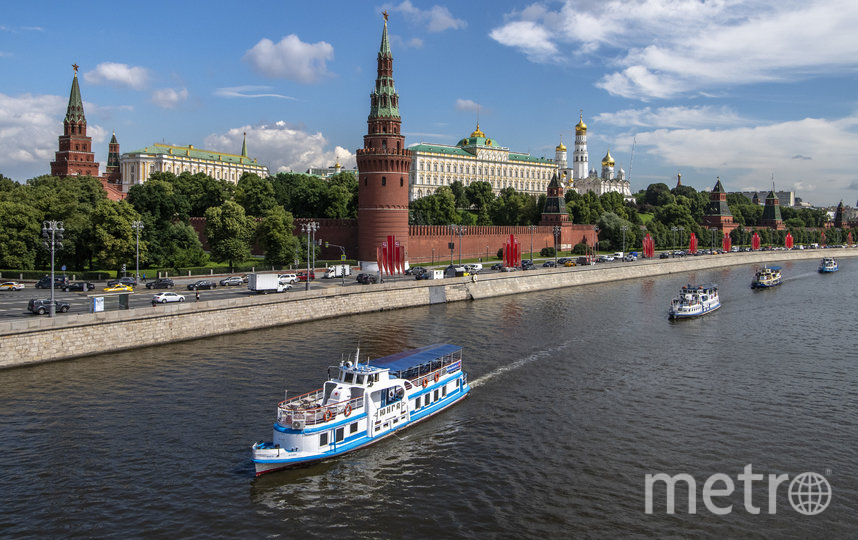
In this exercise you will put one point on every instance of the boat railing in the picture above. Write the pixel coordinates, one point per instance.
(435, 375)
(292, 414)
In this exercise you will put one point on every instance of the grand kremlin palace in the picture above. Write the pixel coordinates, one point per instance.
(137, 166)
(477, 158)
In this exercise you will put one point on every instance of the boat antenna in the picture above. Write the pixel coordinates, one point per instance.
(632, 158)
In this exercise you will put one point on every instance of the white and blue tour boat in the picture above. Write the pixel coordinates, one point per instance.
(694, 300)
(361, 403)
(828, 264)
(767, 276)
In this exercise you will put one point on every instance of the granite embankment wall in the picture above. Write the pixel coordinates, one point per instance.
(32, 340)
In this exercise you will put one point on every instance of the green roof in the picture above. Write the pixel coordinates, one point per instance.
(439, 149)
(527, 157)
(194, 153)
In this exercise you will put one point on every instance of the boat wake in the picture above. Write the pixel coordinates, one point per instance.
(539, 355)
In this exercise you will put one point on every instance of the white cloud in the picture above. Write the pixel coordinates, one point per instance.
(749, 155)
(534, 40)
(467, 105)
(435, 19)
(117, 74)
(672, 117)
(248, 91)
(29, 129)
(282, 147)
(291, 59)
(169, 98)
(666, 48)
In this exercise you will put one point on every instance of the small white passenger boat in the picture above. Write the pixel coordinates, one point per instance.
(361, 403)
(767, 276)
(694, 300)
(828, 264)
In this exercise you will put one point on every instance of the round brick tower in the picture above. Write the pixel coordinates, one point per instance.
(383, 165)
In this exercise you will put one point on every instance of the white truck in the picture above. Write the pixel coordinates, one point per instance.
(266, 283)
(338, 270)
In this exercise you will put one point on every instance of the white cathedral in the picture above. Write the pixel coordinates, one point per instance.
(582, 179)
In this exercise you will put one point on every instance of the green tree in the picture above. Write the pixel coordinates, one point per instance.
(436, 209)
(229, 233)
(458, 189)
(274, 234)
(115, 239)
(180, 247)
(20, 227)
(479, 195)
(255, 195)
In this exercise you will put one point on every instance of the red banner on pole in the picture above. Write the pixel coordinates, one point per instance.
(692, 244)
(788, 243)
(726, 242)
(755, 241)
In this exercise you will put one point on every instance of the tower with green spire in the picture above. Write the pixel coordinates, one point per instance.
(718, 213)
(111, 170)
(74, 156)
(772, 212)
(383, 164)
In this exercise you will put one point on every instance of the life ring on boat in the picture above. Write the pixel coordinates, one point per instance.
(436, 376)
(425, 383)
(391, 394)
(348, 410)
(328, 415)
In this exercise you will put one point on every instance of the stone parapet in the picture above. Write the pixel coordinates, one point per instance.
(25, 341)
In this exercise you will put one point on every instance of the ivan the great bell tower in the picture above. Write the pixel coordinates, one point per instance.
(383, 165)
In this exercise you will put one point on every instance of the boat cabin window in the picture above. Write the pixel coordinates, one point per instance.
(348, 377)
(360, 379)
(353, 427)
(323, 439)
(340, 435)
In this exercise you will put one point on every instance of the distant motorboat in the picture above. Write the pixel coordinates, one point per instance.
(828, 265)
(767, 276)
(694, 301)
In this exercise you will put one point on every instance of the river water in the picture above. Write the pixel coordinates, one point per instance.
(578, 394)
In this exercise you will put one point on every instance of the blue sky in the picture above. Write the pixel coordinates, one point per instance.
(742, 90)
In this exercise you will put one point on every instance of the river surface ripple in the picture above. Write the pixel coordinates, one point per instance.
(578, 393)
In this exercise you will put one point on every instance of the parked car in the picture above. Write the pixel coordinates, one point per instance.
(202, 284)
(302, 276)
(563, 260)
(11, 286)
(79, 286)
(630, 258)
(288, 278)
(164, 297)
(160, 283)
(127, 280)
(119, 287)
(474, 268)
(497, 266)
(569, 264)
(40, 307)
(366, 279)
(548, 264)
(664, 255)
(584, 260)
(231, 281)
(414, 270)
(45, 282)
(425, 274)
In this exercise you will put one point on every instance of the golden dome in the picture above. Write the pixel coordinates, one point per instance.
(561, 147)
(608, 161)
(478, 133)
(581, 127)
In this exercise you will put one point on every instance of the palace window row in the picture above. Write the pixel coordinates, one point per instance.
(514, 172)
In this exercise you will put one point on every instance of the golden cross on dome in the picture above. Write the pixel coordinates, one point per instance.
(75, 66)
(385, 15)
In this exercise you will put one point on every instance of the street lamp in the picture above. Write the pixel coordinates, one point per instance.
(52, 232)
(681, 235)
(673, 247)
(624, 228)
(137, 225)
(531, 228)
(452, 244)
(461, 230)
(309, 228)
(556, 237)
(712, 238)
